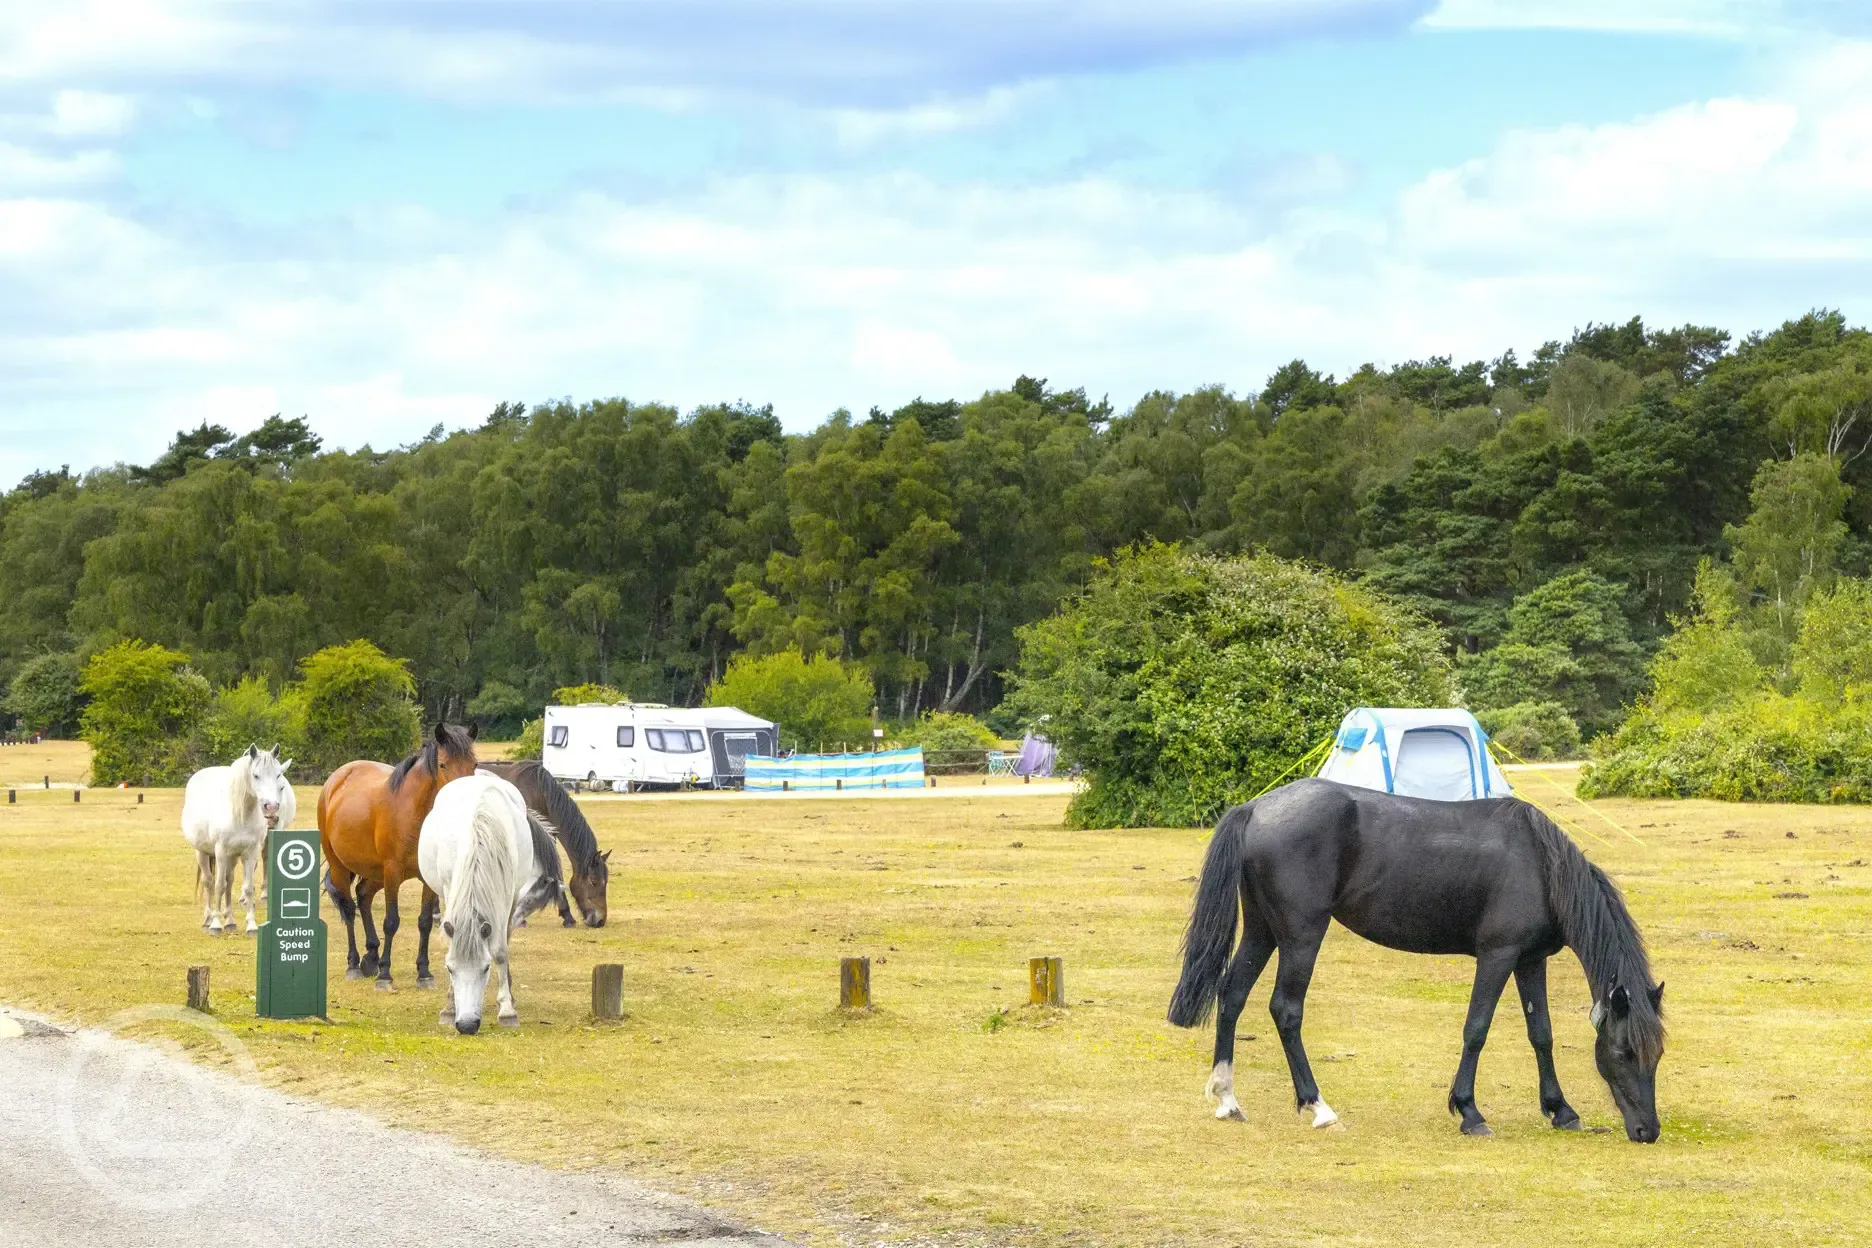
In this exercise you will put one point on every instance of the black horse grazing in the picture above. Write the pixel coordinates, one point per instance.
(1493, 879)
(547, 798)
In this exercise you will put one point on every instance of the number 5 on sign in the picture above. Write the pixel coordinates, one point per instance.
(290, 957)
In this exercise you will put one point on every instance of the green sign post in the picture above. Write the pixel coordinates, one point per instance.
(291, 956)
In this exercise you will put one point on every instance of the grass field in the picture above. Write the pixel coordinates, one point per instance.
(958, 1112)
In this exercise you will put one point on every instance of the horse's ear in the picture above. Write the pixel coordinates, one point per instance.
(253, 751)
(474, 731)
(286, 766)
(606, 858)
(1620, 1001)
(441, 738)
(1657, 997)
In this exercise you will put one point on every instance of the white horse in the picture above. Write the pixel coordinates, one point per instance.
(492, 863)
(226, 812)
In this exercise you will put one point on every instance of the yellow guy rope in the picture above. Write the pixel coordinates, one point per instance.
(1298, 763)
(1573, 796)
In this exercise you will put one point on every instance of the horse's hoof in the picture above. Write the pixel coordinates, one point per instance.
(1230, 1113)
(446, 1018)
(369, 964)
(510, 1020)
(568, 922)
(384, 985)
(1570, 1122)
(1480, 1130)
(425, 981)
(354, 972)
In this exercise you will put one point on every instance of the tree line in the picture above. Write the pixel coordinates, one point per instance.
(1549, 515)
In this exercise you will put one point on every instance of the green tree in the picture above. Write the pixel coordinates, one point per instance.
(948, 730)
(1185, 683)
(146, 705)
(578, 695)
(354, 701)
(45, 695)
(1833, 651)
(818, 702)
(1788, 547)
(1707, 663)
(246, 713)
(1568, 642)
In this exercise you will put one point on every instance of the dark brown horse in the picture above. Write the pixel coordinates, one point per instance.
(547, 798)
(369, 817)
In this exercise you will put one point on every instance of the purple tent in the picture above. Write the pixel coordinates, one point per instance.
(1036, 757)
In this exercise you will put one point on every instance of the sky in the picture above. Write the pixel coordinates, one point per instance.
(385, 215)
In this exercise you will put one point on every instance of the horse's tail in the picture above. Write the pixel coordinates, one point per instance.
(550, 883)
(1210, 937)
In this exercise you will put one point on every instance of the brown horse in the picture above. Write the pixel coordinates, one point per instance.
(369, 817)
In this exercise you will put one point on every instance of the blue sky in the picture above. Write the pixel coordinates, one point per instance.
(383, 215)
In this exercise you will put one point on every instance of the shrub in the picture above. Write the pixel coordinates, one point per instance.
(949, 730)
(577, 695)
(1567, 642)
(1186, 683)
(247, 714)
(146, 706)
(1535, 731)
(354, 701)
(45, 695)
(818, 701)
(499, 708)
(531, 743)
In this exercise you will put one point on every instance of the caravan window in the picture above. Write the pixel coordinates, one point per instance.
(675, 740)
(557, 736)
(696, 745)
(626, 737)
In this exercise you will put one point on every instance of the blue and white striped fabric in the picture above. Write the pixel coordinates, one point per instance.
(808, 773)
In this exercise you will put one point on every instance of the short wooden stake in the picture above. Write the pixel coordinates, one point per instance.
(198, 988)
(139, 799)
(75, 793)
(608, 990)
(855, 983)
(838, 784)
(1046, 981)
(48, 782)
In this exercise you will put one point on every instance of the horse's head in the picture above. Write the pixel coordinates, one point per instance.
(470, 956)
(266, 780)
(454, 752)
(1629, 1047)
(588, 889)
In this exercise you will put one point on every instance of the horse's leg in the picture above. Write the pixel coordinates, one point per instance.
(1237, 982)
(338, 882)
(447, 1017)
(223, 890)
(392, 883)
(508, 1016)
(425, 920)
(204, 884)
(1491, 976)
(1297, 955)
(250, 871)
(1531, 981)
(565, 909)
(365, 891)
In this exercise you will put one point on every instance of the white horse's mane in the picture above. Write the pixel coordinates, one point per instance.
(486, 875)
(241, 800)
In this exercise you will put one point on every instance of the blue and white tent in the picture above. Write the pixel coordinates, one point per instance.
(1441, 754)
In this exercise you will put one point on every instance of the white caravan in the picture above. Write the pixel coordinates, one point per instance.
(631, 745)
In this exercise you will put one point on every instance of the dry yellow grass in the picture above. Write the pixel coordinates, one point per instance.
(65, 762)
(956, 1110)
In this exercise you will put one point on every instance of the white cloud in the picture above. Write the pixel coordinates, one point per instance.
(818, 291)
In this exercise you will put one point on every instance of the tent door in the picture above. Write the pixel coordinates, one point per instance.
(1436, 762)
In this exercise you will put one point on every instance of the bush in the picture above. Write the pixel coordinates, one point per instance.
(247, 714)
(817, 702)
(949, 730)
(146, 707)
(1714, 726)
(1535, 731)
(500, 709)
(1568, 642)
(578, 695)
(1186, 683)
(45, 695)
(354, 701)
(531, 743)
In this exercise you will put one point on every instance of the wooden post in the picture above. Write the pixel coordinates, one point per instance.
(48, 782)
(75, 793)
(855, 983)
(608, 990)
(838, 783)
(139, 799)
(198, 988)
(1046, 981)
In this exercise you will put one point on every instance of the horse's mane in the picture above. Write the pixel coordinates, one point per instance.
(1597, 926)
(241, 801)
(484, 885)
(430, 754)
(567, 820)
(550, 882)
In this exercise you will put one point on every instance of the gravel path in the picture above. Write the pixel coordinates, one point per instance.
(104, 1141)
